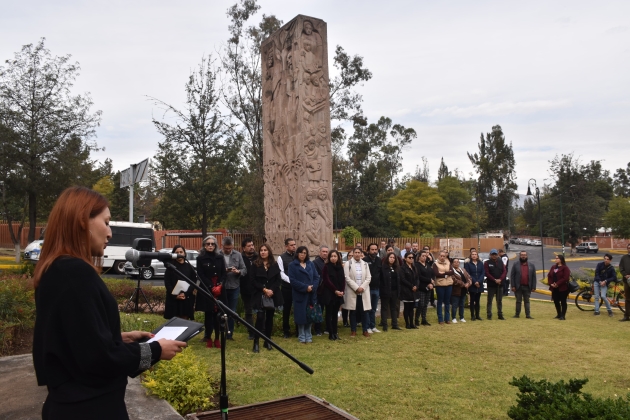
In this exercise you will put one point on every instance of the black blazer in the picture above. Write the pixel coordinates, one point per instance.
(387, 273)
(172, 305)
(425, 275)
(267, 279)
(211, 270)
(408, 279)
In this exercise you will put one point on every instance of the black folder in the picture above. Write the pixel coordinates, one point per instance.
(192, 328)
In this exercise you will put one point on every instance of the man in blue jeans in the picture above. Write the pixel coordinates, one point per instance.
(235, 268)
(604, 275)
(375, 264)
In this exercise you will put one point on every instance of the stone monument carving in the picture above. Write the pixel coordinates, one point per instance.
(296, 135)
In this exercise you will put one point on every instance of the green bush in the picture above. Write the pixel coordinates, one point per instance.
(350, 235)
(123, 289)
(184, 382)
(17, 308)
(544, 400)
(140, 322)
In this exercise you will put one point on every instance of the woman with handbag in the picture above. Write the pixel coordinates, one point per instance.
(558, 279)
(182, 305)
(267, 296)
(443, 286)
(333, 287)
(408, 289)
(211, 270)
(304, 281)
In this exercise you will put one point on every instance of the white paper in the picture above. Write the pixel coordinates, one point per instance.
(170, 333)
(180, 287)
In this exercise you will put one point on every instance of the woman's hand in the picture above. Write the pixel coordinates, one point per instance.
(170, 348)
(309, 289)
(476, 284)
(133, 336)
(181, 296)
(359, 290)
(268, 292)
(414, 288)
(338, 293)
(430, 286)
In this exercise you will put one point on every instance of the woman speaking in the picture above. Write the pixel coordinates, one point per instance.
(79, 352)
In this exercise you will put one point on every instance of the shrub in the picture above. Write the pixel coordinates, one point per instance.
(543, 400)
(123, 289)
(140, 322)
(17, 309)
(350, 235)
(184, 382)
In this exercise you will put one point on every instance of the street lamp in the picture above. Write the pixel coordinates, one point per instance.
(562, 220)
(529, 192)
(478, 240)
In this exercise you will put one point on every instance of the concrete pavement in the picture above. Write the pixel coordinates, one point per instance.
(22, 399)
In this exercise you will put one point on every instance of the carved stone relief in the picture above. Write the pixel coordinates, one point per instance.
(296, 135)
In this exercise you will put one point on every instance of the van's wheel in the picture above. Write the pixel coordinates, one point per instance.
(119, 267)
(146, 273)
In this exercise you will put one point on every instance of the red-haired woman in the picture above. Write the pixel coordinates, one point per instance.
(79, 352)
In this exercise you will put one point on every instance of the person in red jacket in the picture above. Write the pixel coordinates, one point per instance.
(558, 279)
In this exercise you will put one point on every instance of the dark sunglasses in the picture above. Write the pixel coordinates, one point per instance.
(209, 243)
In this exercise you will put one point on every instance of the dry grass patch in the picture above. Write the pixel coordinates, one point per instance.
(440, 372)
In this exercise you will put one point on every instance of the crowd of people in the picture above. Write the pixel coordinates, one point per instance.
(298, 286)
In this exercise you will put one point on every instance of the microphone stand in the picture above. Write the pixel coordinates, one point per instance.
(223, 397)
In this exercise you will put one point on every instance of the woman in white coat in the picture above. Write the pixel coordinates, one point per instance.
(357, 294)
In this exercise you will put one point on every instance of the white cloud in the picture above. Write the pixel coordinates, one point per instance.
(498, 109)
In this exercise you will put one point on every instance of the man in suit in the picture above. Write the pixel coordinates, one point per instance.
(523, 282)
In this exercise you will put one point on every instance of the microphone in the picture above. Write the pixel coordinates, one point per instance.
(134, 255)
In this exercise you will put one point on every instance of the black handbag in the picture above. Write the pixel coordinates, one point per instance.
(267, 302)
(573, 286)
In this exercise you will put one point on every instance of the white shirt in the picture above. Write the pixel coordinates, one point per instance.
(358, 278)
(284, 276)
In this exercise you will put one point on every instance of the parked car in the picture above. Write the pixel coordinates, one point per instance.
(536, 242)
(32, 250)
(157, 268)
(587, 247)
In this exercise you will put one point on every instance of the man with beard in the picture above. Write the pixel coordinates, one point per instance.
(249, 256)
(523, 282)
(287, 295)
(495, 273)
(375, 265)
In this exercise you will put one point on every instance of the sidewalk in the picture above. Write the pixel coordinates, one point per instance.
(23, 399)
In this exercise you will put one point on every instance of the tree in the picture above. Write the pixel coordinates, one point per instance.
(621, 183)
(443, 171)
(618, 217)
(414, 209)
(495, 165)
(197, 163)
(422, 174)
(456, 213)
(53, 128)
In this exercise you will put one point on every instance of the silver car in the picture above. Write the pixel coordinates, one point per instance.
(157, 268)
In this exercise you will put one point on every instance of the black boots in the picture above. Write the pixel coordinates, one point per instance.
(425, 322)
(267, 345)
(256, 348)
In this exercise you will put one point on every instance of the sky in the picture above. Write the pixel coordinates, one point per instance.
(554, 75)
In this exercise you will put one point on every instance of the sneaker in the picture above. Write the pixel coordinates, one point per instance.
(462, 320)
(454, 321)
(376, 330)
(610, 313)
(369, 331)
(596, 313)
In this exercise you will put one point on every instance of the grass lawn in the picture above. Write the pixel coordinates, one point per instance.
(439, 372)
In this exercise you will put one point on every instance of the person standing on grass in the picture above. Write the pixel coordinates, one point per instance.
(408, 289)
(475, 269)
(375, 265)
(304, 281)
(461, 283)
(183, 304)
(333, 289)
(523, 281)
(558, 279)
(390, 285)
(604, 275)
(357, 293)
(495, 272)
(249, 257)
(443, 286)
(319, 262)
(506, 262)
(287, 292)
(211, 270)
(266, 282)
(235, 269)
(624, 267)
(430, 261)
(426, 283)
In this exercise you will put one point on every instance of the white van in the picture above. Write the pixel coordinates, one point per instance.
(123, 234)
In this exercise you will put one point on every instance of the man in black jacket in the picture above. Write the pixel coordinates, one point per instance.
(495, 272)
(523, 282)
(375, 264)
(319, 262)
(249, 256)
(287, 295)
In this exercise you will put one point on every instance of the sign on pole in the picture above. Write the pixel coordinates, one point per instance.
(134, 174)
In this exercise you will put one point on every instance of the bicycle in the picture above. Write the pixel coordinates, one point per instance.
(585, 298)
